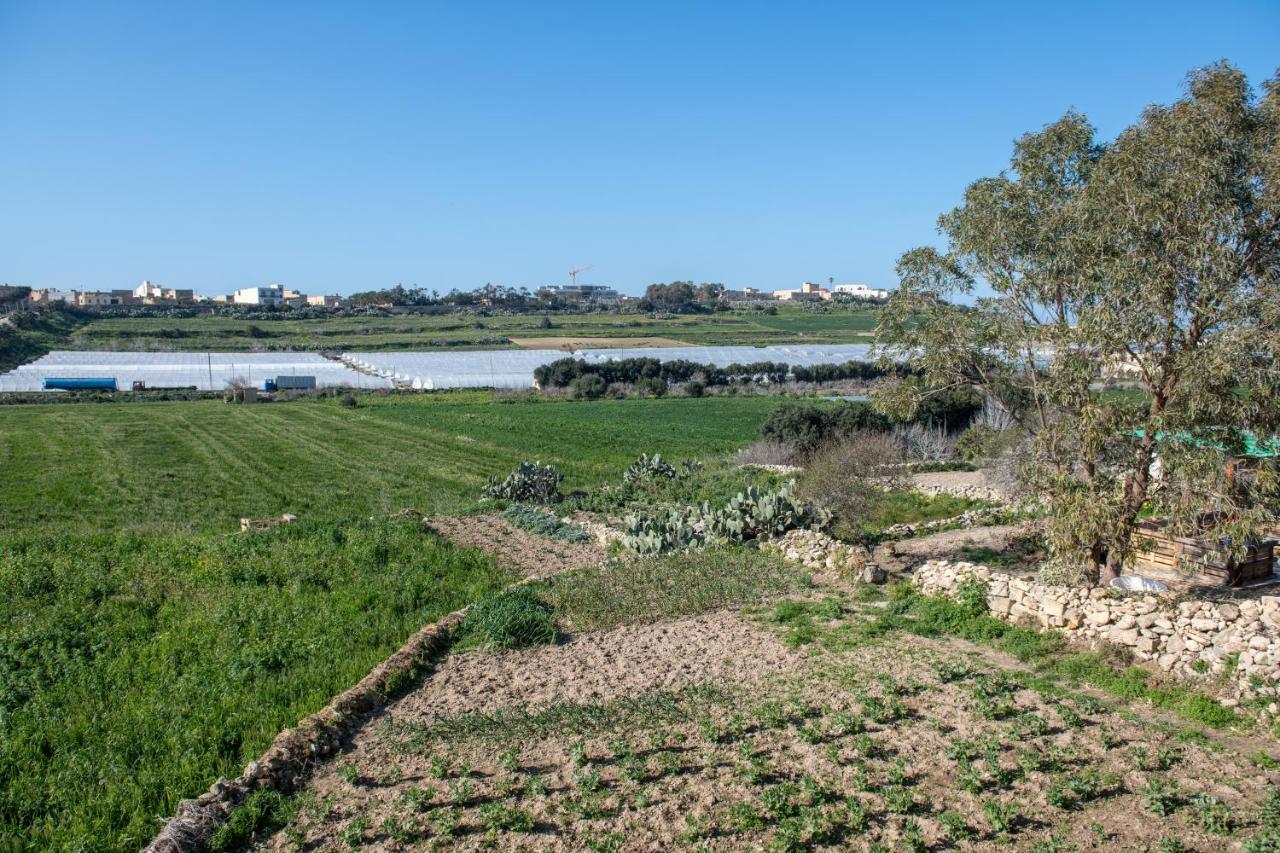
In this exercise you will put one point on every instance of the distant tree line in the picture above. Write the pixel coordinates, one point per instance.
(562, 373)
(495, 295)
(682, 297)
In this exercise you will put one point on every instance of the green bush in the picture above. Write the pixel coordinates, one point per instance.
(849, 477)
(590, 386)
(530, 481)
(807, 426)
(649, 468)
(511, 619)
(652, 386)
(749, 515)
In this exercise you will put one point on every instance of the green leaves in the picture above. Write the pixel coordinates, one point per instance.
(1155, 260)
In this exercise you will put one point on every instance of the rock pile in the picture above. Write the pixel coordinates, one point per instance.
(816, 550)
(1236, 640)
(972, 518)
(964, 484)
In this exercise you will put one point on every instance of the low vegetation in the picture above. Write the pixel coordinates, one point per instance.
(372, 329)
(671, 585)
(202, 465)
(887, 734)
(544, 523)
(136, 669)
(748, 516)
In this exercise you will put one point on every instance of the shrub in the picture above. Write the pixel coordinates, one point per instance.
(347, 401)
(806, 426)
(694, 389)
(748, 516)
(512, 619)
(588, 387)
(649, 468)
(652, 386)
(848, 476)
(976, 443)
(766, 453)
(530, 481)
(925, 443)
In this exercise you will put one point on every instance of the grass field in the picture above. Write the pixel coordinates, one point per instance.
(136, 669)
(203, 465)
(789, 325)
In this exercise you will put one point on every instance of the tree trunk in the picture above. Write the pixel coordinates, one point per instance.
(1135, 495)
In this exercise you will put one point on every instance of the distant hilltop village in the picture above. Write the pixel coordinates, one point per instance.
(806, 292)
(586, 295)
(150, 293)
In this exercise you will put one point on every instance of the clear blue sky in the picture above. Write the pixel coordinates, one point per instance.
(338, 147)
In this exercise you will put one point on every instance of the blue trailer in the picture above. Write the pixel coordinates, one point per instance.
(79, 384)
(295, 383)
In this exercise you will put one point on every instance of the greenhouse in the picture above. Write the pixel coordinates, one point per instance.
(205, 371)
(511, 368)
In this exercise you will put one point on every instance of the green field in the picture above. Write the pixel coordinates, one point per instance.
(146, 648)
(791, 324)
(203, 465)
(136, 669)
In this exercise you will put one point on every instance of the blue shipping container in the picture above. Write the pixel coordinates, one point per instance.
(72, 384)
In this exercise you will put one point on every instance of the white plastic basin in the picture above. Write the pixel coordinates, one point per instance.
(1137, 583)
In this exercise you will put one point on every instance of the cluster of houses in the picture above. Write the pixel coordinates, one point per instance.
(807, 292)
(150, 293)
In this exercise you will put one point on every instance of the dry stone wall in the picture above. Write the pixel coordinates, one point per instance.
(816, 550)
(1237, 641)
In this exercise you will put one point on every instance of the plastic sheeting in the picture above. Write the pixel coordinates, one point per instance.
(511, 368)
(514, 368)
(211, 371)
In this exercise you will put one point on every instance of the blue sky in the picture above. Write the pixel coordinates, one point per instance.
(336, 147)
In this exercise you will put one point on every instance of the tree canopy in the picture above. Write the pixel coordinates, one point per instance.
(1155, 256)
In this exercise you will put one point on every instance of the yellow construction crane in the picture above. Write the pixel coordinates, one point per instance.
(573, 274)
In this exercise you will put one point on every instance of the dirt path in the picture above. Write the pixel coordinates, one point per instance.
(532, 555)
(569, 344)
(601, 666)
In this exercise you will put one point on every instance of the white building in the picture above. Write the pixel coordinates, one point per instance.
(148, 290)
(324, 301)
(578, 293)
(272, 294)
(52, 294)
(861, 291)
(807, 292)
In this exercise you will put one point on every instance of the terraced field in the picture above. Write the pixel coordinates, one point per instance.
(791, 324)
(147, 647)
(202, 465)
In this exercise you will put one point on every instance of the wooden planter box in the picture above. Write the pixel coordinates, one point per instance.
(1201, 561)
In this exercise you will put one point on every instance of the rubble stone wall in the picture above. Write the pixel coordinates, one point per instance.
(1238, 641)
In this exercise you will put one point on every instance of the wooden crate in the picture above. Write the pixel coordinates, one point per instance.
(1156, 551)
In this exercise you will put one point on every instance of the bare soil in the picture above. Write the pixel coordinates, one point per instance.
(531, 555)
(569, 343)
(843, 742)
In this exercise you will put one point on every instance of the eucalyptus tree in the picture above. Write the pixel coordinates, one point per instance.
(1156, 256)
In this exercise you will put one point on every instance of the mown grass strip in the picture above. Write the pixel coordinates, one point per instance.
(645, 590)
